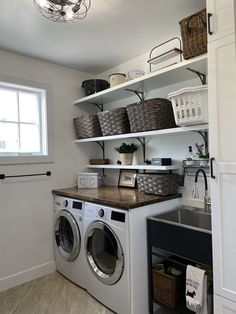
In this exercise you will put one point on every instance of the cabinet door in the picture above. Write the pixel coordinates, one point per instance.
(224, 306)
(222, 21)
(222, 138)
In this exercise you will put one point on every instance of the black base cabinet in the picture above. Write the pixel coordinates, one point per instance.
(174, 250)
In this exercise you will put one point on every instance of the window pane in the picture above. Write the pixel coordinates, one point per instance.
(30, 138)
(29, 107)
(8, 137)
(8, 105)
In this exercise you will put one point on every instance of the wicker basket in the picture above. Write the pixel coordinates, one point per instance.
(152, 114)
(114, 121)
(158, 184)
(87, 126)
(194, 34)
(165, 288)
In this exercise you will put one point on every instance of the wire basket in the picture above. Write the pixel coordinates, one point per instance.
(152, 114)
(87, 126)
(114, 121)
(158, 184)
(190, 105)
(194, 34)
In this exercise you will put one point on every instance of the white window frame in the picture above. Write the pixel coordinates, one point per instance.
(46, 110)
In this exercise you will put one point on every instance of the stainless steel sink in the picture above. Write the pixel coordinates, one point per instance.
(188, 217)
(185, 232)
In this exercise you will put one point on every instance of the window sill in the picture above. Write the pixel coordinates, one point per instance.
(17, 160)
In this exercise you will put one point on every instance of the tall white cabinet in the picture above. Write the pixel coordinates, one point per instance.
(222, 138)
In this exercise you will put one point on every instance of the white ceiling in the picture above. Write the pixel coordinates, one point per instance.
(113, 32)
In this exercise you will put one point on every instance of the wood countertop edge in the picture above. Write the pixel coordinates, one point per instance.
(114, 203)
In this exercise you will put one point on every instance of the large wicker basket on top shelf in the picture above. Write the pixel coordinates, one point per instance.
(194, 34)
(151, 114)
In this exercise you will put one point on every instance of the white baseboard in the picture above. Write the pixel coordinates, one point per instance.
(26, 275)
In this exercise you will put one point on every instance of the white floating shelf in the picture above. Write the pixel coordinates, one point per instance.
(144, 167)
(170, 75)
(179, 130)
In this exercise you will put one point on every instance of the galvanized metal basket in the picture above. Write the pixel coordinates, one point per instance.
(87, 126)
(114, 121)
(152, 114)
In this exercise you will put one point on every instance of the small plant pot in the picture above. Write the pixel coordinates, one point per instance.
(126, 159)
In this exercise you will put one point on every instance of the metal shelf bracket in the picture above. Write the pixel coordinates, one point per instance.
(102, 146)
(99, 106)
(201, 76)
(204, 135)
(138, 93)
(143, 143)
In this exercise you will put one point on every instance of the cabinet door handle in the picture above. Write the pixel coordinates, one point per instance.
(209, 15)
(211, 167)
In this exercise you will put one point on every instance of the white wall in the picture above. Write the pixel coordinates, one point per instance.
(26, 205)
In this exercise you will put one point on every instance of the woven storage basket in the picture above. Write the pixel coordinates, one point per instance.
(87, 126)
(194, 34)
(165, 288)
(158, 184)
(152, 114)
(114, 121)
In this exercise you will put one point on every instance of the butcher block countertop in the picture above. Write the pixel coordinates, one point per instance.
(123, 198)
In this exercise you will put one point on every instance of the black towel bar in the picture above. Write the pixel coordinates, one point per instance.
(3, 176)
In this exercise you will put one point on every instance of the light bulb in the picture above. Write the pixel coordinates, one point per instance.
(42, 3)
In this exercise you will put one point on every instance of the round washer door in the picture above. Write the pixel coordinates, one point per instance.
(67, 235)
(104, 253)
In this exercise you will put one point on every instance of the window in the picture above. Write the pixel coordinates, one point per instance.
(23, 127)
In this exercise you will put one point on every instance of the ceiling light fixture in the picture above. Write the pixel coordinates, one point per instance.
(63, 10)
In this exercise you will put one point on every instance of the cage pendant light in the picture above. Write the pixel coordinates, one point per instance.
(63, 10)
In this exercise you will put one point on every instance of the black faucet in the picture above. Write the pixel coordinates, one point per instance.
(207, 200)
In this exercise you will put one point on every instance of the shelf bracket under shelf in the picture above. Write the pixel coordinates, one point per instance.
(143, 143)
(204, 135)
(138, 93)
(102, 146)
(201, 76)
(99, 106)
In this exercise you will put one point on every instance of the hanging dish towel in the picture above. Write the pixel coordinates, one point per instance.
(196, 290)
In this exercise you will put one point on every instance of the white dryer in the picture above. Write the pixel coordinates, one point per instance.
(68, 239)
(107, 255)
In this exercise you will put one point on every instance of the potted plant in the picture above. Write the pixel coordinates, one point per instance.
(126, 152)
(202, 154)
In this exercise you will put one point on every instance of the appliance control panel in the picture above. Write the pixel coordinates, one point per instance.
(68, 203)
(115, 216)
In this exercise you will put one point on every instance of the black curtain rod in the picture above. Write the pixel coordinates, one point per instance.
(3, 176)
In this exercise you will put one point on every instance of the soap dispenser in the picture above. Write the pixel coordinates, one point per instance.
(189, 157)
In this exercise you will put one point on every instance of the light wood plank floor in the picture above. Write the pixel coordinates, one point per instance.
(51, 294)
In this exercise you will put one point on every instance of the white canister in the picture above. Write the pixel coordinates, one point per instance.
(116, 79)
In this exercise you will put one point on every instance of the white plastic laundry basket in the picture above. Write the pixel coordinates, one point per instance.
(190, 105)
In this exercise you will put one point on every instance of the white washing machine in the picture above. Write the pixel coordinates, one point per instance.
(69, 238)
(107, 254)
